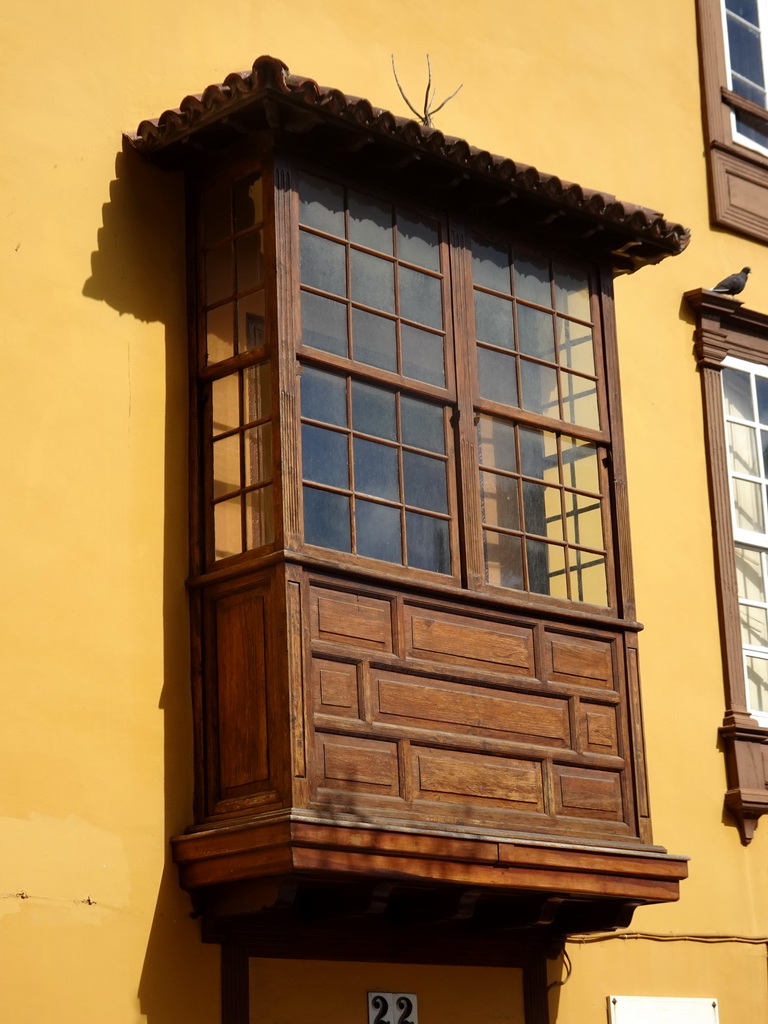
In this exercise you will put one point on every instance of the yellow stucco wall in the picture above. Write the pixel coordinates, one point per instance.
(95, 730)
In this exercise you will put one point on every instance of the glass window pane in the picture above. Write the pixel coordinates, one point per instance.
(422, 424)
(580, 469)
(754, 626)
(744, 47)
(249, 261)
(376, 470)
(746, 9)
(490, 266)
(496, 372)
(257, 396)
(761, 386)
(321, 205)
(226, 403)
(248, 202)
(748, 506)
(324, 324)
(420, 297)
(588, 581)
(326, 519)
(324, 456)
(226, 465)
(425, 483)
(377, 531)
(499, 501)
(538, 454)
(496, 443)
(250, 322)
(418, 241)
(546, 568)
(227, 528)
(258, 454)
(219, 283)
(427, 543)
(536, 333)
(532, 280)
(323, 264)
(572, 291)
(370, 222)
(423, 355)
(742, 449)
(220, 337)
(373, 281)
(574, 342)
(373, 411)
(374, 340)
(580, 401)
(738, 395)
(503, 560)
(584, 520)
(539, 385)
(323, 396)
(757, 684)
(493, 320)
(751, 127)
(259, 517)
(542, 510)
(217, 214)
(749, 574)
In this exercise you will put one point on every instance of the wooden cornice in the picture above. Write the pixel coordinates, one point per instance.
(726, 327)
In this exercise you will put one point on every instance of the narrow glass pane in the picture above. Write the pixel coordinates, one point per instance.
(373, 281)
(579, 401)
(377, 531)
(744, 46)
(425, 483)
(323, 396)
(584, 521)
(536, 333)
(757, 684)
(572, 291)
(422, 424)
(217, 215)
(503, 560)
(418, 241)
(227, 528)
(738, 395)
(219, 281)
(496, 443)
(420, 297)
(326, 519)
(322, 264)
(248, 202)
(258, 454)
(742, 449)
(324, 324)
(499, 501)
(226, 403)
(580, 468)
(249, 261)
(749, 574)
(751, 127)
(374, 340)
(496, 372)
(373, 411)
(423, 355)
(324, 456)
(546, 568)
(542, 510)
(250, 322)
(748, 506)
(257, 396)
(220, 338)
(490, 266)
(532, 280)
(761, 386)
(574, 343)
(746, 9)
(376, 470)
(539, 385)
(493, 320)
(226, 465)
(751, 92)
(754, 626)
(538, 454)
(588, 582)
(427, 543)
(321, 205)
(370, 223)
(259, 517)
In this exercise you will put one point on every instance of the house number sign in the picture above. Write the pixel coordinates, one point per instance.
(392, 1008)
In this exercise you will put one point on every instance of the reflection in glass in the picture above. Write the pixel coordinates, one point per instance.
(373, 340)
(427, 543)
(580, 401)
(248, 202)
(546, 568)
(257, 397)
(373, 281)
(226, 465)
(258, 454)
(532, 280)
(321, 205)
(496, 443)
(220, 341)
(742, 448)
(749, 574)
(490, 266)
(324, 456)
(539, 385)
(580, 469)
(218, 274)
(326, 519)
(584, 520)
(249, 261)
(538, 454)
(423, 357)
(373, 411)
(216, 215)
(376, 470)
(227, 528)
(535, 333)
(417, 242)
(420, 297)
(226, 403)
(738, 395)
(377, 531)
(259, 517)
(323, 264)
(499, 501)
(757, 683)
(493, 320)
(370, 223)
(496, 372)
(250, 322)
(748, 506)
(323, 324)
(323, 396)
(754, 626)
(422, 424)
(424, 481)
(572, 291)
(761, 386)
(503, 560)
(588, 581)
(542, 510)
(574, 342)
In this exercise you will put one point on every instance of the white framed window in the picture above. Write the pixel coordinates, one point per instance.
(745, 31)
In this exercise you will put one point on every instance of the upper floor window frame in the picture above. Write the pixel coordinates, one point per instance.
(745, 30)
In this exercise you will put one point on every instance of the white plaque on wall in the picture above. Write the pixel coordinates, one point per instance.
(661, 1010)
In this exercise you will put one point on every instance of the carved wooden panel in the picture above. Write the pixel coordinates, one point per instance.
(351, 619)
(597, 729)
(335, 687)
(440, 636)
(477, 781)
(579, 660)
(352, 763)
(583, 793)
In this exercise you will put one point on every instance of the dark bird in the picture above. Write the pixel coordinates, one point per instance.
(734, 284)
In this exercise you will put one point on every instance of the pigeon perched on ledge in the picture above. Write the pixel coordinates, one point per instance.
(734, 284)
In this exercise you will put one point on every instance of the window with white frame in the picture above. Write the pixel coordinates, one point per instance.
(745, 29)
(745, 405)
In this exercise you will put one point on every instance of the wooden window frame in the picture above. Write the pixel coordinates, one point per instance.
(726, 329)
(738, 173)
